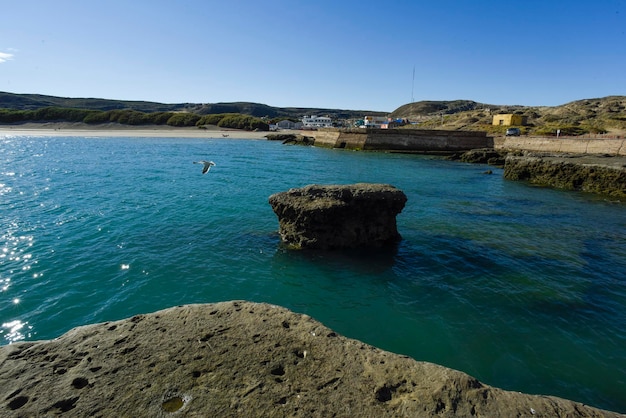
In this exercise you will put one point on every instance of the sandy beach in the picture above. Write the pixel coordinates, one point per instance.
(117, 130)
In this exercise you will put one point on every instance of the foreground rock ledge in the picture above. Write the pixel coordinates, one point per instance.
(339, 216)
(242, 359)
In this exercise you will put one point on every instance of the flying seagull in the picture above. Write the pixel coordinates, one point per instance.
(207, 165)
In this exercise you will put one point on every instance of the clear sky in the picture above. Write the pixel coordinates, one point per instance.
(342, 54)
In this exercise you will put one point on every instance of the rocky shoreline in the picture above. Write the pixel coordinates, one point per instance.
(595, 166)
(603, 174)
(586, 169)
(242, 359)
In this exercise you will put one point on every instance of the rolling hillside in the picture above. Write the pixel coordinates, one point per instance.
(36, 101)
(588, 116)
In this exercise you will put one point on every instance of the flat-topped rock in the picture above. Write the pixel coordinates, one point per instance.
(241, 359)
(339, 216)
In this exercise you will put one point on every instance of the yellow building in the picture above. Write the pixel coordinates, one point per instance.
(509, 120)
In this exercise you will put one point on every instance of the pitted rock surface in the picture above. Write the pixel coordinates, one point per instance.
(241, 359)
(339, 216)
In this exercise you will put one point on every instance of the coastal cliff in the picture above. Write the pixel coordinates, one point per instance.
(242, 359)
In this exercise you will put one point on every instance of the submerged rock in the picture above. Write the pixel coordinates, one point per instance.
(241, 359)
(339, 216)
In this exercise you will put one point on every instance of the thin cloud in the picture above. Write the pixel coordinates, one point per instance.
(4, 57)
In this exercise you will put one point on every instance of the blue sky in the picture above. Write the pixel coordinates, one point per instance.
(346, 54)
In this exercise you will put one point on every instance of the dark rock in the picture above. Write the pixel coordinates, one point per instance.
(595, 174)
(329, 217)
(481, 156)
(238, 359)
(300, 140)
(295, 139)
(279, 137)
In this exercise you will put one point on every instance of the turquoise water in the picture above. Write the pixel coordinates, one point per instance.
(521, 287)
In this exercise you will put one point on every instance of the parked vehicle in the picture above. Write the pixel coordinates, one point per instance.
(513, 132)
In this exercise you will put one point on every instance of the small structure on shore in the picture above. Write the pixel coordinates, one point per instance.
(339, 216)
(509, 119)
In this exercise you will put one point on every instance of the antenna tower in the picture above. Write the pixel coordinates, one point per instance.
(413, 86)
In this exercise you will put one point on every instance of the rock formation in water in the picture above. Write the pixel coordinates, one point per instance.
(241, 359)
(296, 139)
(481, 156)
(329, 217)
(588, 173)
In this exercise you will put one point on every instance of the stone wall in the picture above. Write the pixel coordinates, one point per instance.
(419, 140)
(409, 140)
(564, 145)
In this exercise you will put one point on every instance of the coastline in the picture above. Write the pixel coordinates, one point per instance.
(596, 166)
(116, 130)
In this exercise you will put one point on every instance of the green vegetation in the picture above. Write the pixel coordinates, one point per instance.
(132, 117)
(183, 119)
(234, 121)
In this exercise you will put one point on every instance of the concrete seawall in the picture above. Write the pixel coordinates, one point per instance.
(420, 140)
(562, 145)
(566, 163)
(406, 140)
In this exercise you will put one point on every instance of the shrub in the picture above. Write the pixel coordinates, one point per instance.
(159, 118)
(233, 121)
(13, 116)
(132, 117)
(249, 123)
(96, 117)
(60, 114)
(183, 119)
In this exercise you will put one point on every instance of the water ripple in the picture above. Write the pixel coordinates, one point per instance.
(524, 288)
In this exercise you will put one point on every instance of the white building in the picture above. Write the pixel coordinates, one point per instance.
(374, 121)
(317, 122)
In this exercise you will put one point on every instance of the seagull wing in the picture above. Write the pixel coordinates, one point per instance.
(207, 165)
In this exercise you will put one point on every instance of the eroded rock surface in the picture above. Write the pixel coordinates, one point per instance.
(241, 359)
(588, 173)
(339, 216)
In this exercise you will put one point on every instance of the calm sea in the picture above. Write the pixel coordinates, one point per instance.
(522, 287)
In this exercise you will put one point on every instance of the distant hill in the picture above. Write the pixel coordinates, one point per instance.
(37, 101)
(425, 108)
(600, 115)
(595, 116)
